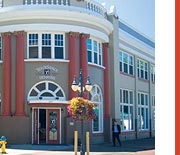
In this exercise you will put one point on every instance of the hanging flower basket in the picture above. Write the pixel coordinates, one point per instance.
(81, 109)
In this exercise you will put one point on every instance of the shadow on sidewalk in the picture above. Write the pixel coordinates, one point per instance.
(127, 146)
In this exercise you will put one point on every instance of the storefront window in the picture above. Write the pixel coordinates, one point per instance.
(126, 110)
(143, 111)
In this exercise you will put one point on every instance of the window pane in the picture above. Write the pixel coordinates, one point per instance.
(125, 58)
(146, 75)
(89, 56)
(130, 60)
(33, 52)
(95, 58)
(47, 94)
(96, 120)
(41, 87)
(120, 56)
(131, 118)
(100, 60)
(46, 39)
(125, 68)
(89, 44)
(142, 99)
(120, 66)
(131, 70)
(142, 73)
(126, 119)
(59, 53)
(59, 93)
(52, 87)
(120, 95)
(147, 118)
(46, 52)
(33, 93)
(131, 97)
(142, 118)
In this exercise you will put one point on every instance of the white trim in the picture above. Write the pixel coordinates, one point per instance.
(129, 39)
(60, 125)
(41, 27)
(58, 13)
(47, 101)
(136, 52)
(41, 60)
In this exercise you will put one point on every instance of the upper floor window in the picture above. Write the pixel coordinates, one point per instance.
(153, 73)
(142, 67)
(0, 48)
(126, 63)
(45, 46)
(94, 49)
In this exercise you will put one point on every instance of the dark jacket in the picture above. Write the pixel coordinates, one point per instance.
(119, 128)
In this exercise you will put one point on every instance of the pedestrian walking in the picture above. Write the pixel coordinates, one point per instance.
(116, 130)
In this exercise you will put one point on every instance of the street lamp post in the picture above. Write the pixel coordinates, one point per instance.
(78, 85)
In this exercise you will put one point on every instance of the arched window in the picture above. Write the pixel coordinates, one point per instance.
(96, 98)
(46, 90)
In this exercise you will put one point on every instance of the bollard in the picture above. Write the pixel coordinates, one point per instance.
(87, 143)
(75, 142)
(3, 144)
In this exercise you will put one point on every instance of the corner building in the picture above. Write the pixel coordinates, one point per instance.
(43, 44)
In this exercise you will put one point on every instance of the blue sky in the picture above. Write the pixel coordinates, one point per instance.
(140, 14)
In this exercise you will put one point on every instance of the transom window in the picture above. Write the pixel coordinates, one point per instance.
(46, 91)
(94, 49)
(142, 69)
(126, 63)
(45, 46)
(0, 48)
(126, 110)
(143, 111)
(96, 98)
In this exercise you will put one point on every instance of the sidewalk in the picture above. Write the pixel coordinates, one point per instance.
(129, 147)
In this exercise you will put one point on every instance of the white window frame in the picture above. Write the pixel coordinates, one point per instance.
(121, 60)
(40, 46)
(143, 106)
(46, 90)
(96, 98)
(144, 67)
(127, 125)
(98, 52)
(153, 73)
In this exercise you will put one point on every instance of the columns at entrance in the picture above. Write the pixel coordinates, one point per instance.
(20, 74)
(73, 66)
(6, 78)
(106, 80)
(83, 57)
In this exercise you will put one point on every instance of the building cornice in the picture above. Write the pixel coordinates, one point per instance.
(77, 15)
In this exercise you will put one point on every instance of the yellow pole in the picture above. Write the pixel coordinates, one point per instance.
(87, 143)
(75, 142)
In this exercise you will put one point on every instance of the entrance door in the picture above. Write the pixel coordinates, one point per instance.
(46, 126)
(53, 126)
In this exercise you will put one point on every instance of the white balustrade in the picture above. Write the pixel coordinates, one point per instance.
(91, 5)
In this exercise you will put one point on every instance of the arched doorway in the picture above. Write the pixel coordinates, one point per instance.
(47, 100)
